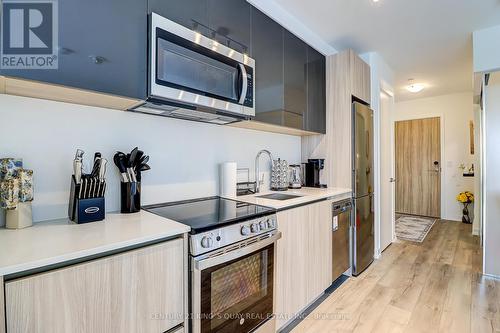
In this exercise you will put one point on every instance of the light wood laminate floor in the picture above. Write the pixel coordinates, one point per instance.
(434, 286)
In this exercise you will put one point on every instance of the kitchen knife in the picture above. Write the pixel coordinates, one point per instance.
(77, 170)
(95, 168)
(84, 186)
(80, 190)
(103, 190)
(79, 154)
(102, 174)
(89, 188)
(95, 192)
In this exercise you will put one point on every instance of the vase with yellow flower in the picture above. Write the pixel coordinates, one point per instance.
(465, 198)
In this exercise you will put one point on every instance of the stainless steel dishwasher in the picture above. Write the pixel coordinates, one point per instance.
(341, 223)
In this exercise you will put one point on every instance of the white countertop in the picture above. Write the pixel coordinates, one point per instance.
(48, 243)
(307, 194)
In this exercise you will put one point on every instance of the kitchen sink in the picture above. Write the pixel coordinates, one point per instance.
(278, 196)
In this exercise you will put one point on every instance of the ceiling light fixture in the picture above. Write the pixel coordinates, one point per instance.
(414, 87)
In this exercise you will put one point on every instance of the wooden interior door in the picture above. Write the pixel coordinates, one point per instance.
(418, 167)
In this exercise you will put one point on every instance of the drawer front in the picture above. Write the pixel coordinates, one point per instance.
(136, 291)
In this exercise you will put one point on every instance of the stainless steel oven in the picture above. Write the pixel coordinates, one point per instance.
(232, 288)
(194, 77)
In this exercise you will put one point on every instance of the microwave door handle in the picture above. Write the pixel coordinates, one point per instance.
(244, 85)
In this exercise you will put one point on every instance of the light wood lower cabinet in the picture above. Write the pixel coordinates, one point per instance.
(2, 307)
(304, 258)
(137, 291)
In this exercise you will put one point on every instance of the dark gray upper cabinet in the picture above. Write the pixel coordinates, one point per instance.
(295, 79)
(315, 120)
(267, 48)
(102, 47)
(290, 77)
(230, 23)
(193, 14)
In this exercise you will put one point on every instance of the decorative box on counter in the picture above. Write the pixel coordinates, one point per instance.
(16, 193)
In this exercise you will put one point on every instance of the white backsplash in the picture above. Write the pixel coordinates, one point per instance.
(184, 154)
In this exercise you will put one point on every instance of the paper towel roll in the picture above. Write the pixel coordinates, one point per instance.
(227, 176)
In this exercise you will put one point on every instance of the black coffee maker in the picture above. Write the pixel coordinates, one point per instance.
(313, 168)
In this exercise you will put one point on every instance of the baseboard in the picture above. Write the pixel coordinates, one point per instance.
(491, 276)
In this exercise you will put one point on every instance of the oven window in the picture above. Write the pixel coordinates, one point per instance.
(183, 68)
(237, 296)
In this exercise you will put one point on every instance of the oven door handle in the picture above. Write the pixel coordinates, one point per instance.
(244, 83)
(201, 264)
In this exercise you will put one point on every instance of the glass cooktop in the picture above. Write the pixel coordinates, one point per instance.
(208, 213)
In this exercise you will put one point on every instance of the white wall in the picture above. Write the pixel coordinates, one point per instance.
(382, 78)
(184, 154)
(486, 48)
(491, 177)
(478, 195)
(456, 111)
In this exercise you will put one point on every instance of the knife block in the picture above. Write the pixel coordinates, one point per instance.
(130, 197)
(84, 210)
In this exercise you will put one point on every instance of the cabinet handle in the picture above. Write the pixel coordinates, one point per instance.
(97, 59)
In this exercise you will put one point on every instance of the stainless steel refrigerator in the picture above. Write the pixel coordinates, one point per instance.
(362, 180)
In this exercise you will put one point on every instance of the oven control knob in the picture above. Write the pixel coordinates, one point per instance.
(207, 242)
(255, 227)
(263, 225)
(270, 223)
(245, 230)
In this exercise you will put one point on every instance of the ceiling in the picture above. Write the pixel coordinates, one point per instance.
(427, 40)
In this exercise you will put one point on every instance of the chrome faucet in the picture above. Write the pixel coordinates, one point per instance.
(257, 160)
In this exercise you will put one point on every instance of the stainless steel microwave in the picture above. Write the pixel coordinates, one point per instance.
(196, 78)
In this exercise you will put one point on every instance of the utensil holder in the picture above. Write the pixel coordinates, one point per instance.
(130, 197)
(84, 210)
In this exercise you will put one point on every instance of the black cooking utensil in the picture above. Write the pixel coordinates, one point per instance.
(119, 160)
(144, 167)
(138, 157)
(144, 160)
(132, 156)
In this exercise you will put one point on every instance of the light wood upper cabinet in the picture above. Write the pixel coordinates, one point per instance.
(303, 258)
(360, 78)
(136, 291)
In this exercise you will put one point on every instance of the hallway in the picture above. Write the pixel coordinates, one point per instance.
(434, 286)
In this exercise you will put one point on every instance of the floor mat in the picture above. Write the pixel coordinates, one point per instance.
(413, 228)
